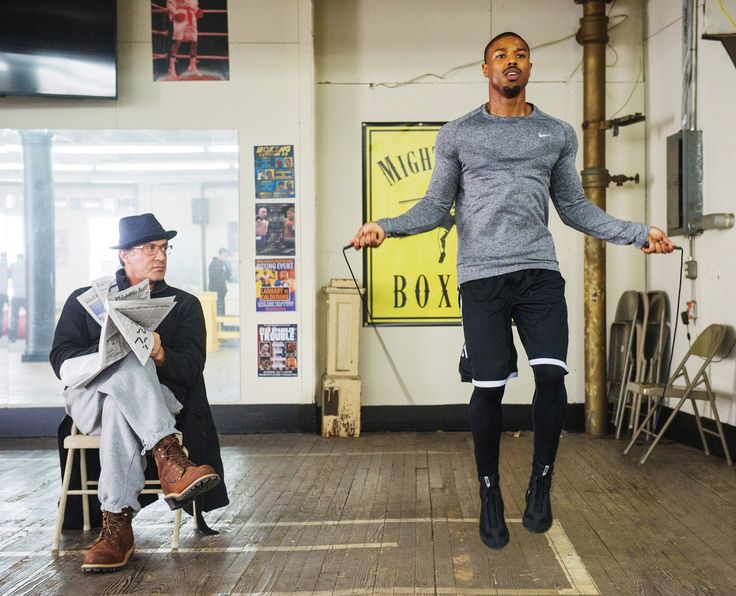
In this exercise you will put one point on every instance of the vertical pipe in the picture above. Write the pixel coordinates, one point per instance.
(593, 36)
(689, 64)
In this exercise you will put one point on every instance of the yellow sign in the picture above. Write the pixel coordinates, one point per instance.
(411, 280)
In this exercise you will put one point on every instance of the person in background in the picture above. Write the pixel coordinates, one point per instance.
(219, 274)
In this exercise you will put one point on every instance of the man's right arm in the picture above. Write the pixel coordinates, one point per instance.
(71, 337)
(431, 211)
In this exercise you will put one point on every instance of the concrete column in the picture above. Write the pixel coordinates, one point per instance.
(38, 188)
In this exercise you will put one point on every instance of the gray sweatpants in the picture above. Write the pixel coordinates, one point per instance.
(131, 411)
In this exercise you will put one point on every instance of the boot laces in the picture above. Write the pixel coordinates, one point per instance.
(174, 454)
(111, 527)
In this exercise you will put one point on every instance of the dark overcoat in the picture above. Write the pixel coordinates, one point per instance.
(183, 337)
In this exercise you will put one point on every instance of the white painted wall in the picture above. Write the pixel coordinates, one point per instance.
(268, 100)
(361, 44)
(715, 286)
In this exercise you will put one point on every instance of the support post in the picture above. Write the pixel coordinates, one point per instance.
(38, 187)
(593, 36)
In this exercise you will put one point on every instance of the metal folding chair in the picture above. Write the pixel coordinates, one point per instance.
(622, 352)
(712, 342)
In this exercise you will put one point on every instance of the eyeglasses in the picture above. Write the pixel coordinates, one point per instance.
(151, 249)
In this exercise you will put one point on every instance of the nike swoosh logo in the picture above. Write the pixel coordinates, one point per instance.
(543, 135)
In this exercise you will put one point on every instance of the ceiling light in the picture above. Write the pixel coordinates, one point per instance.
(163, 167)
(127, 149)
(223, 148)
(73, 167)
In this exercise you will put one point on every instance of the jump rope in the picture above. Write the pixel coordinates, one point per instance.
(403, 385)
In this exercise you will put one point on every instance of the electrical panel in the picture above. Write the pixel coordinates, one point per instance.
(684, 181)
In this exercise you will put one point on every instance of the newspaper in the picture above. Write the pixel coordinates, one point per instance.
(128, 319)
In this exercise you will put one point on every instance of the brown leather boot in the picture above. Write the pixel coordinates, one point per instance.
(114, 545)
(181, 480)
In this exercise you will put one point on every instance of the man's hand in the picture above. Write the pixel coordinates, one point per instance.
(369, 234)
(658, 242)
(158, 355)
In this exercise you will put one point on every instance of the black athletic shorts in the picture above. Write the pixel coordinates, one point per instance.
(535, 300)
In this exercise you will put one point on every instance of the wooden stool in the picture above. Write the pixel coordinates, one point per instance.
(79, 442)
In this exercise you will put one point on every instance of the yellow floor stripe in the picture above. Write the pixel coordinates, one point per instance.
(577, 574)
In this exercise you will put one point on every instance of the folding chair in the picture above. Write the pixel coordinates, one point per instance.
(710, 343)
(621, 352)
(79, 442)
(655, 355)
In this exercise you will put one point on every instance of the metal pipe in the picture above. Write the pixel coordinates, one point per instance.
(689, 64)
(593, 35)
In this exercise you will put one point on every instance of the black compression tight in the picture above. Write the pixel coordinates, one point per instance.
(486, 423)
(548, 410)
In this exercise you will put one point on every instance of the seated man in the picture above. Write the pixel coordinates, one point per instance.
(134, 408)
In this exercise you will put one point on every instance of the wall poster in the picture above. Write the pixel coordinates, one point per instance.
(274, 171)
(412, 280)
(190, 40)
(275, 229)
(275, 285)
(277, 351)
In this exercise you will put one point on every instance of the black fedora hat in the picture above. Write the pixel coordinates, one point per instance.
(137, 229)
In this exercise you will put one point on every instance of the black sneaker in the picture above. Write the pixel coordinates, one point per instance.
(538, 512)
(493, 530)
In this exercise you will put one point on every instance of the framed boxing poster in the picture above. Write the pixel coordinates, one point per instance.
(412, 280)
(190, 40)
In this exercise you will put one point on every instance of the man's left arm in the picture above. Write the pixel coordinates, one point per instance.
(182, 362)
(578, 212)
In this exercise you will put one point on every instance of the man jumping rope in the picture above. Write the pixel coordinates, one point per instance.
(500, 164)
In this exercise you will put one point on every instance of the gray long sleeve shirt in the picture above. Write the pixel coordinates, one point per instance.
(501, 173)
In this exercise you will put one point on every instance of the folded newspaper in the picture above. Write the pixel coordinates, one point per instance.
(127, 317)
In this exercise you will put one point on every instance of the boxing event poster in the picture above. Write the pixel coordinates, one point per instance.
(275, 229)
(274, 171)
(190, 40)
(277, 351)
(275, 285)
(412, 282)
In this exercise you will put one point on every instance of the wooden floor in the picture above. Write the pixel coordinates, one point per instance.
(397, 514)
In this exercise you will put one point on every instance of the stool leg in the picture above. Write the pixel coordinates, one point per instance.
(85, 498)
(177, 527)
(62, 499)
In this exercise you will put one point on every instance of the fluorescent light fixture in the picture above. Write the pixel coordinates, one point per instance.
(164, 167)
(60, 167)
(73, 167)
(126, 149)
(223, 149)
